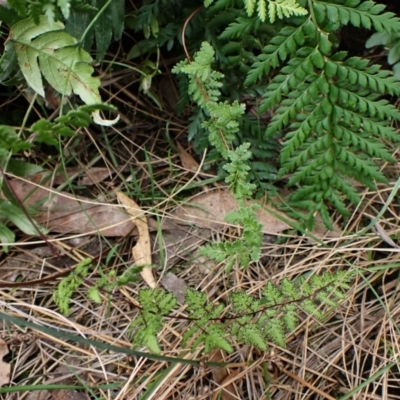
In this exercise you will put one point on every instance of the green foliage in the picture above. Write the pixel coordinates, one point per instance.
(252, 321)
(11, 142)
(97, 20)
(155, 305)
(69, 285)
(51, 9)
(223, 125)
(274, 8)
(391, 41)
(328, 103)
(47, 50)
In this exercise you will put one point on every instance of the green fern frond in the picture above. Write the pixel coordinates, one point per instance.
(240, 27)
(200, 70)
(282, 9)
(284, 44)
(330, 106)
(276, 8)
(69, 285)
(367, 14)
(251, 321)
(146, 326)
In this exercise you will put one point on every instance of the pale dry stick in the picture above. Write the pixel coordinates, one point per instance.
(122, 395)
(305, 383)
(165, 394)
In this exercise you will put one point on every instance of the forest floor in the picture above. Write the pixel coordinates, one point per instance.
(147, 157)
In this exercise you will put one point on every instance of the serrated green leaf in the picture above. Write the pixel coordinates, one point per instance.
(64, 65)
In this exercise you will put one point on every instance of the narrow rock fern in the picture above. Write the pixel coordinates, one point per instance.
(328, 105)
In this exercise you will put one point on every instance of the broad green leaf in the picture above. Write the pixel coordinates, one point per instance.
(18, 218)
(6, 236)
(22, 34)
(22, 168)
(46, 49)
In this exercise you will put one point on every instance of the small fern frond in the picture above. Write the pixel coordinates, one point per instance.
(283, 9)
(146, 326)
(199, 70)
(276, 8)
(224, 117)
(252, 321)
(69, 285)
(208, 332)
(238, 170)
(240, 27)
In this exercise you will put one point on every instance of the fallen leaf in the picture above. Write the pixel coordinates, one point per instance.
(66, 370)
(38, 395)
(86, 176)
(222, 375)
(64, 213)
(5, 368)
(188, 162)
(141, 252)
(208, 210)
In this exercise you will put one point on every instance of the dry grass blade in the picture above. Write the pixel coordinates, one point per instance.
(141, 252)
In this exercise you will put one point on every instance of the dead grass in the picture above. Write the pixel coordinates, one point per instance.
(323, 360)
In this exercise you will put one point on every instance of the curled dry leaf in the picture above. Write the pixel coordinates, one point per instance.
(188, 162)
(5, 368)
(141, 252)
(222, 375)
(64, 213)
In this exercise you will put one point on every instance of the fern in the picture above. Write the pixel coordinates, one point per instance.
(274, 8)
(223, 127)
(250, 320)
(54, 11)
(155, 305)
(329, 106)
(68, 285)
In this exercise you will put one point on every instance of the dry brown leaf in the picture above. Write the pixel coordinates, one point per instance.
(5, 368)
(65, 213)
(86, 176)
(222, 375)
(208, 210)
(188, 162)
(141, 252)
(39, 395)
(90, 176)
